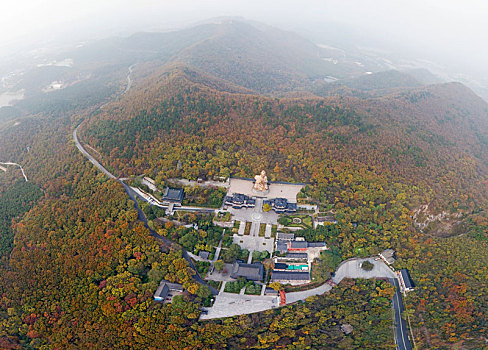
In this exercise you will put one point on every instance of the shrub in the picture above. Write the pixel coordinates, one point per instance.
(367, 266)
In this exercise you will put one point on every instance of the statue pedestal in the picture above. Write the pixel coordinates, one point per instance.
(260, 193)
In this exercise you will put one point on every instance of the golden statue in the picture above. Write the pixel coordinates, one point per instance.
(261, 183)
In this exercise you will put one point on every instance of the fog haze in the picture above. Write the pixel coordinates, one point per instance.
(452, 34)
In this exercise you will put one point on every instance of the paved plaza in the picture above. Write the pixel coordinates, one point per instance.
(249, 214)
(230, 304)
(253, 243)
(276, 190)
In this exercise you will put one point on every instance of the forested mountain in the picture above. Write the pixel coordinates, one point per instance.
(383, 150)
(414, 128)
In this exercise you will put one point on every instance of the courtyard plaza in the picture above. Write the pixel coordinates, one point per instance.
(276, 189)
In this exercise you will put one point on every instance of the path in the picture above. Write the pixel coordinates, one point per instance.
(20, 166)
(87, 155)
(129, 80)
(219, 248)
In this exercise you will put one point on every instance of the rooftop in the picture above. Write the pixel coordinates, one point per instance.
(407, 279)
(285, 236)
(252, 271)
(280, 266)
(296, 255)
(173, 194)
(281, 246)
(298, 245)
(388, 256)
(326, 219)
(162, 291)
(316, 244)
(289, 276)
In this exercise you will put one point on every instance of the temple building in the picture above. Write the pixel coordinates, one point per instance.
(281, 205)
(239, 200)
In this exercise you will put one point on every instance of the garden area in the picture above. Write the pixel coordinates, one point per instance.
(233, 253)
(327, 233)
(214, 284)
(247, 229)
(223, 216)
(274, 231)
(202, 267)
(200, 196)
(302, 221)
(328, 262)
(252, 288)
(204, 236)
(259, 256)
(235, 287)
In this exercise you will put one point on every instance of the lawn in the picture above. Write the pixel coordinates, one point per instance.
(303, 221)
(247, 230)
(235, 287)
(274, 230)
(262, 230)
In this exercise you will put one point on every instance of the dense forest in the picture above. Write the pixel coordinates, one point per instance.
(79, 270)
(14, 202)
(83, 271)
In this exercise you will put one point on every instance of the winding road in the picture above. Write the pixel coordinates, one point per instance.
(20, 166)
(133, 195)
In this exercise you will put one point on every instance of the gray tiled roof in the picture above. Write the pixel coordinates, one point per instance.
(281, 246)
(316, 244)
(173, 194)
(162, 291)
(297, 255)
(250, 271)
(298, 244)
(406, 279)
(285, 236)
(290, 276)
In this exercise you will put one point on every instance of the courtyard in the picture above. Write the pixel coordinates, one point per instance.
(276, 189)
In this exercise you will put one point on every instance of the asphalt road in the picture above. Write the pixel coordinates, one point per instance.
(401, 331)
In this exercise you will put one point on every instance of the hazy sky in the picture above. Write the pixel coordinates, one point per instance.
(454, 29)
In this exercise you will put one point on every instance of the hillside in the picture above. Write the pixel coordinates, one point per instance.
(414, 127)
(383, 151)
